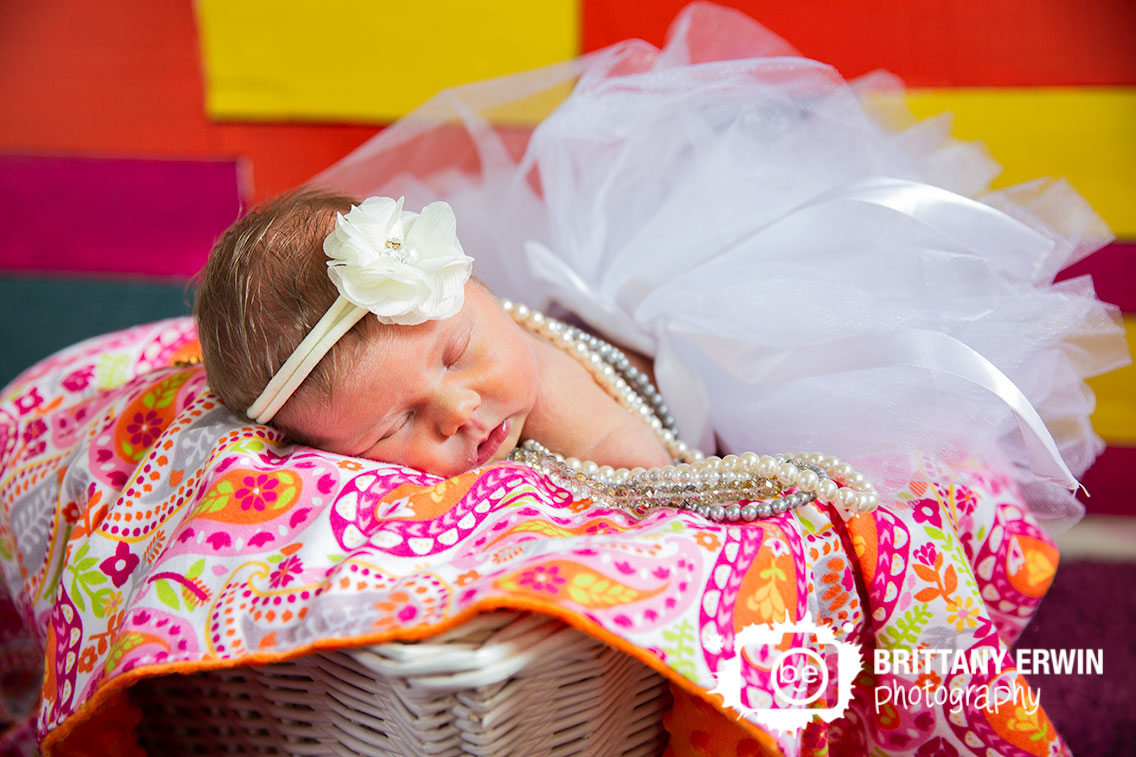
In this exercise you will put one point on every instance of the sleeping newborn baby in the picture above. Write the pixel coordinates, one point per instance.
(357, 328)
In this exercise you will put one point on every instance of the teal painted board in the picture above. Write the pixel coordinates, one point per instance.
(41, 315)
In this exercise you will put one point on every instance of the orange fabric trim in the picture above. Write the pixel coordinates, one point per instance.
(104, 700)
(113, 733)
(696, 729)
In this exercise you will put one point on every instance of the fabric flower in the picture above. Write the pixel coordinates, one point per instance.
(927, 511)
(404, 267)
(71, 512)
(543, 578)
(288, 569)
(467, 578)
(144, 429)
(112, 602)
(34, 430)
(28, 402)
(962, 613)
(78, 380)
(88, 659)
(966, 501)
(706, 540)
(120, 565)
(257, 492)
(926, 554)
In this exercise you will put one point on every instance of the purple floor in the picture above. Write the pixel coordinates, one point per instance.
(1091, 605)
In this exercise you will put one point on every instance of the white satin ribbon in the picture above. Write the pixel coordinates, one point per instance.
(999, 236)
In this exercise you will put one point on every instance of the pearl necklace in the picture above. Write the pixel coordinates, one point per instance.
(737, 487)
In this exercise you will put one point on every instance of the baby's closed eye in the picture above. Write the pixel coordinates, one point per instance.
(400, 424)
(457, 350)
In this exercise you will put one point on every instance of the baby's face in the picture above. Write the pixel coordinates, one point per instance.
(442, 397)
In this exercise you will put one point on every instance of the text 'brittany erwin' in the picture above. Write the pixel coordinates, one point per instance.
(989, 661)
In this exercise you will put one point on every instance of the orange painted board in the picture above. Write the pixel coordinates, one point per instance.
(927, 43)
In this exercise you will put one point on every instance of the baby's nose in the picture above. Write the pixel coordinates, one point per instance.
(456, 409)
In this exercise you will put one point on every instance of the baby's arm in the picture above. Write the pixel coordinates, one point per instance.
(578, 418)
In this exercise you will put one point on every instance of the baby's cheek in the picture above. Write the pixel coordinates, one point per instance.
(528, 369)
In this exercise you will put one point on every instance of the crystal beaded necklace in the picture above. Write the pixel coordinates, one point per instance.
(734, 488)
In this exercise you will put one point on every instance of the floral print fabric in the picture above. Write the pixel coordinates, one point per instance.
(145, 530)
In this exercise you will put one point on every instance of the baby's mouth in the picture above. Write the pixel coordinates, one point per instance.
(492, 443)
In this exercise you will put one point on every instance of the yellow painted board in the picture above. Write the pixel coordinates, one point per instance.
(368, 61)
(1115, 416)
(1084, 134)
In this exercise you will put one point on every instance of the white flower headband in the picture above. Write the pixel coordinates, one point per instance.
(406, 268)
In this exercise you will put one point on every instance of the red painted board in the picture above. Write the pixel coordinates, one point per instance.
(112, 216)
(927, 43)
(283, 156)
(1114, 274)
(101, 76)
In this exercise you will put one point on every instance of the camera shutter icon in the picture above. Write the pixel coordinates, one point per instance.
(799, 675)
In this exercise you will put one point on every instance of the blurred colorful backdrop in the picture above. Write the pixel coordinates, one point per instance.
(134, 131)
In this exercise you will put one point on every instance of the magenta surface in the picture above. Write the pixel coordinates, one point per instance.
(113, 215)
(1114, 274)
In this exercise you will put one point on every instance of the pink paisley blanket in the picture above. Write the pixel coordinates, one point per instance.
(144, 531)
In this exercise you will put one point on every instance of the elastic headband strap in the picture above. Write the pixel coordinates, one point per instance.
(336, 322)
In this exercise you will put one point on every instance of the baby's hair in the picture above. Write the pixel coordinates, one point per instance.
(263, 289)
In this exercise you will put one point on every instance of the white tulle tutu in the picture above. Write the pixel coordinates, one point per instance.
(811, 270)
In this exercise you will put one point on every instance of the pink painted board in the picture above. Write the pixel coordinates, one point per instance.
(113, 215)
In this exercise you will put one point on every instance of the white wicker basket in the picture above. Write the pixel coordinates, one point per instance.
(501, 684)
